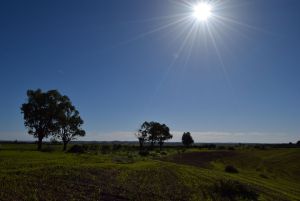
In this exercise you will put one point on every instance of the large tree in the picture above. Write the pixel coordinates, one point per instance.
(50, 113)
(156, 132)
(187, 139)
(40, 113)
(162, 133)
(69, 122)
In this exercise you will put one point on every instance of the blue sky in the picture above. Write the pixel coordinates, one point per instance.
(234, 78)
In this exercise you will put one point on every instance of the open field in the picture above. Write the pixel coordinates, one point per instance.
(122, 174)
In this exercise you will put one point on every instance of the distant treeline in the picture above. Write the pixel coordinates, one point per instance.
(171, 144)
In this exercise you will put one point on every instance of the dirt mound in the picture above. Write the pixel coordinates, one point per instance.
(200, 159)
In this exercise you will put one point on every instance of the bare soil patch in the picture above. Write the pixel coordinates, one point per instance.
(200, 159)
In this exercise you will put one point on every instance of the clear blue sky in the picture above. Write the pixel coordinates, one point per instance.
(124, 62)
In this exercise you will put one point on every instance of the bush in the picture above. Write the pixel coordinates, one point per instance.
(144, 152)
(85, 147)
(105, 149)
(261, 147)
(94, 147)
(210, 146)
(233, 191)
(231, 148)
(231, 169)
(221, 147)
(77, 149)
(154, 154)
(116, 147)
(48, 148)
(264, 176)
(180, 151)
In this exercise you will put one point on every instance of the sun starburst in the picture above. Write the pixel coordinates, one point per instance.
(202, 11)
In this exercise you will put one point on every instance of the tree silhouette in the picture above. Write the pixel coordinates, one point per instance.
(68, 126)
(141, 135)
(39, 113)
(163, 133)
(155, 132)
(187, 139)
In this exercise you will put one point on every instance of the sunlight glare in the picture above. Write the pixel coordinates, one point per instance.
(202, 11)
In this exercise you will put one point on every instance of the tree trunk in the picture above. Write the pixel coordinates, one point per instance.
(141, 141)
(40, 141)
(152, 144)
(65, 146)
(141, 146)
(161, 144)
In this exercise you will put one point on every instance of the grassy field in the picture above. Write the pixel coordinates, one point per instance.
(122, 174)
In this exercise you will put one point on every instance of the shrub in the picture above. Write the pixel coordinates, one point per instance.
(231, 148)
(94, 147)
(210, 146)
(77, 149)
(116, 147)
(144, 152)
(264, 176)
(261, 147)
(154, 154)
(231, 169)
(48, 148)
(129, 155)
(179, 151)
(221, 147)
(233, 191)
(105, 149)
(85, 147)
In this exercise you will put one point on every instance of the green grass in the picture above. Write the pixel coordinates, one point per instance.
(26, 174)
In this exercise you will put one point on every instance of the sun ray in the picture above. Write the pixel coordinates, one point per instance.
(168, 70)
(142, 35)
(245, 25)
(223, 67)
(160, 18)
(198, 20)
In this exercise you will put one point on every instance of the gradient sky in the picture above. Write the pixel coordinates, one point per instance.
(234, 79)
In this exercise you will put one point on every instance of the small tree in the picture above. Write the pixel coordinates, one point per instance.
(39, 113)
(187, 139)
(141, 135)
(145, 130)
(69, 122)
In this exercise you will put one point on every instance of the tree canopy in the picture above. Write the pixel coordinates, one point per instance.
(154, 132)
(187, 139)
(141, 135)
(49, 113)
(69, 122)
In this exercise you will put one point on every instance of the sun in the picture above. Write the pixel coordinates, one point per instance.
(202, 11)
